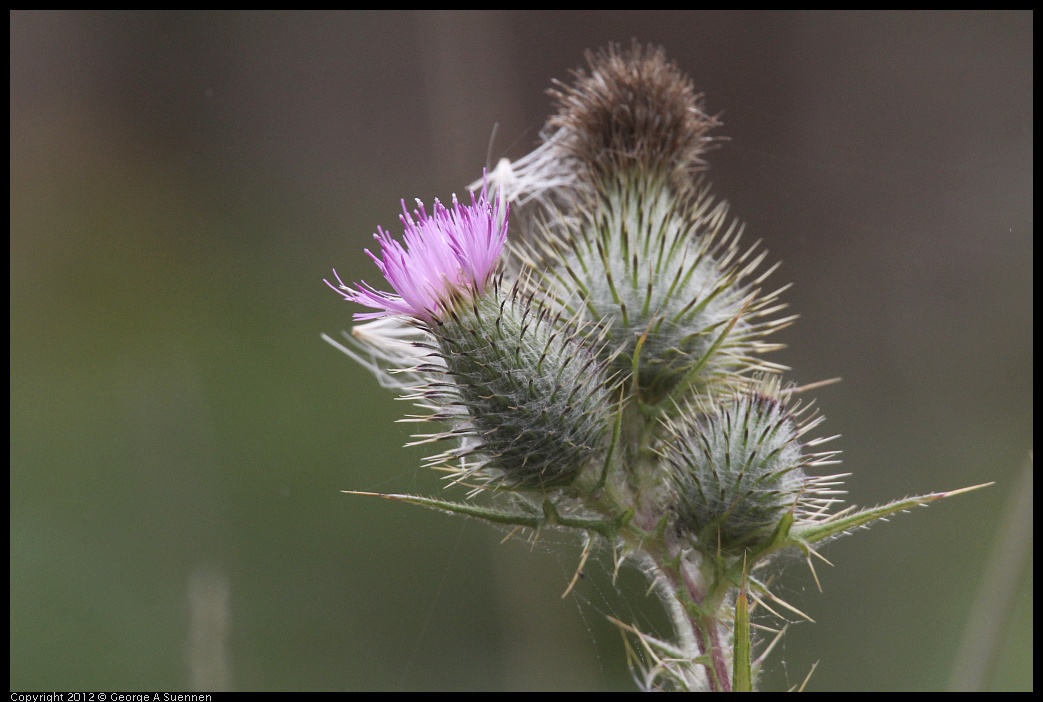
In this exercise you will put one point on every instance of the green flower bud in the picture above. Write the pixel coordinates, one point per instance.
(667, 278)
(739, 467)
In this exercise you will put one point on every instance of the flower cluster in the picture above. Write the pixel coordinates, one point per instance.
(606, 369)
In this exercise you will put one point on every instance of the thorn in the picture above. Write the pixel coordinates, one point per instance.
(811, 386)
(617, 560)
(822, 558)
(759, 602)
(386, 496)
(510, 534)
(959, 491)
(579, 568)
(811, 567)
(767, 651)
(810, 673)
(787, 605)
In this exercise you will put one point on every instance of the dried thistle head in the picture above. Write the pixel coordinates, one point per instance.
(632, 110)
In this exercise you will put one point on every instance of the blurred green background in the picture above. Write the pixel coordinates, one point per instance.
(182, 182)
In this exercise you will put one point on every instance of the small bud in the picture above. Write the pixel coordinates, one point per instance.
(739, 467)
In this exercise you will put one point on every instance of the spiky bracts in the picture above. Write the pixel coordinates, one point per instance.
(740, 466)
(669, 279)
(523, 394)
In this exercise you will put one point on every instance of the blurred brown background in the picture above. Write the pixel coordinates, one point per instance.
(182, 182)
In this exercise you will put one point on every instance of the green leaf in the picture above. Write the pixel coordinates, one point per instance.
(605, 527)
(742, 667)
(814, 532)
(490, 515)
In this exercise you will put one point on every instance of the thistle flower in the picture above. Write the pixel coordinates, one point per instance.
(448, 256)
(525, 401)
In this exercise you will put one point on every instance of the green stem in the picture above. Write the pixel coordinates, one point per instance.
(707, 625)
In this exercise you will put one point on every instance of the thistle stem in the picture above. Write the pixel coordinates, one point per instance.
(707, 628)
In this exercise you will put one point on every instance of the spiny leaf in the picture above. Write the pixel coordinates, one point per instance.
(550, 516)
(490, 515)
(845, 521)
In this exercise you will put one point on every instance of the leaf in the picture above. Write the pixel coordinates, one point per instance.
(837, 524)
(605, 527)
(490, 515)
(742, 668)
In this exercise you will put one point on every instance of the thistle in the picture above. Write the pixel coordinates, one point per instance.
(604, 371)
(518, 390)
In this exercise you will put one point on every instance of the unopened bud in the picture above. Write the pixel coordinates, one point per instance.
(739, 468)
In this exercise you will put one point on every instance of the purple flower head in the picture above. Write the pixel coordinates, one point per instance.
(447, 253)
